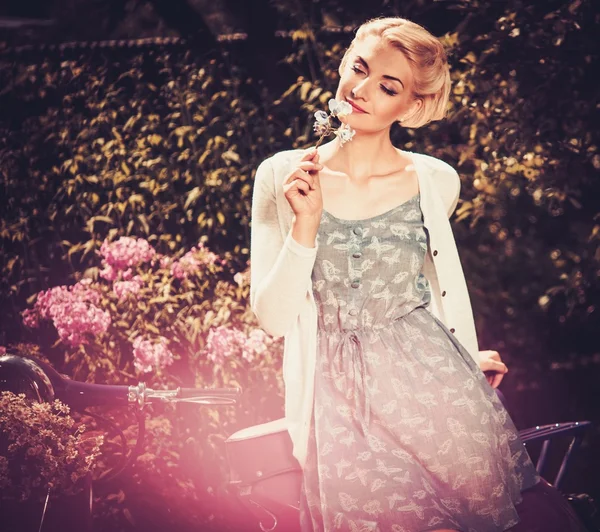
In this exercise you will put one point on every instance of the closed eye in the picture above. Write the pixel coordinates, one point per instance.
(387, 91)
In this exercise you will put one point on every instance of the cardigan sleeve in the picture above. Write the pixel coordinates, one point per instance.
(445, 179)
(455, 192)
(280, 268)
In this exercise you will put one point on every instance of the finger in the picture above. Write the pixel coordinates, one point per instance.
(310, 154)
(300, 185)
(310, 166)
(306, 177)
(491, 354)
(300, 174)
(496, 380)
(493, 365)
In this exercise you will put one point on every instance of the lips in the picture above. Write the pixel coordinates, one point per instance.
(356, 107)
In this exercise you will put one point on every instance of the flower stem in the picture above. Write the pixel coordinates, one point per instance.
(321, 138)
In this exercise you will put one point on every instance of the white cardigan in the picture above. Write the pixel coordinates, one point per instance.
(281, 293)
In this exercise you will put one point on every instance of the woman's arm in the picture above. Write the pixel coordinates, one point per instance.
(280, 269)
(489, 361)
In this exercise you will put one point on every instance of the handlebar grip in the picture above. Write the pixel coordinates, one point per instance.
(82, 394)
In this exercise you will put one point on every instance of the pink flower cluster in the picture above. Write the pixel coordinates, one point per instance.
(257, 343)
(149, 355)
(73, 311)
(224, 342)
(186, 265)
(124, 288)
(193, 260)
(122, 254)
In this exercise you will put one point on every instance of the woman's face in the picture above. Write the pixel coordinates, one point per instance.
(376, 78)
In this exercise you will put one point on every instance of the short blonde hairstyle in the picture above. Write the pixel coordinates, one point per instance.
(427, 57)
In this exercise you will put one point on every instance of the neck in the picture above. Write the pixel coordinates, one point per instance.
(366, 155)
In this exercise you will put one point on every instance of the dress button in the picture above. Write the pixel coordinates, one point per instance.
(452, 330)
(353, 312)
(443, 293)
(435, 252)
(357, 231)
(357, 255)
(355, 284)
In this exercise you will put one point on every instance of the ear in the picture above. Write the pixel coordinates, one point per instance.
(413, 109)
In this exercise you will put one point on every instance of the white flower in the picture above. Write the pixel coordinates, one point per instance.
(322, 124)
(321, 117)
(339, 108)
(344, 133)
(324, 127)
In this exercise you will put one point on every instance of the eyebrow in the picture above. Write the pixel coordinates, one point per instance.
(365, 64)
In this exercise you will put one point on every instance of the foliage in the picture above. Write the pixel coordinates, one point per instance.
(42, 448)
(154, 146)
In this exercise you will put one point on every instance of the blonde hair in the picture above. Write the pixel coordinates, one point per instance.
(428, 60)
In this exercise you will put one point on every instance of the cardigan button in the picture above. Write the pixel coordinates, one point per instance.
(443, 293)
(357, 255)
(357, 231)
(355, 284)
(452, 330)
(353, 312)
(435, 252)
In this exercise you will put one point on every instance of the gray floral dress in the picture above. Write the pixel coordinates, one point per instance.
(407, 434)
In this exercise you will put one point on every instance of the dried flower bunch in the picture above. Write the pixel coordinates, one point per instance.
(41, 448)
(324, 127)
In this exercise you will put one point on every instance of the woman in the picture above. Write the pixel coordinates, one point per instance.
(353, 260)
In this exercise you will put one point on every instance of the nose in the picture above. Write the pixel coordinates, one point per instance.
(360, 90)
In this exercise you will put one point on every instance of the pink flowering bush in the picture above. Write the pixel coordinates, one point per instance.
(145, 310)
(169, 319)
(162, 317)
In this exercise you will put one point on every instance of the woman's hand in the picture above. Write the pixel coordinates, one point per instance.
(302, 187)
(493, 367)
